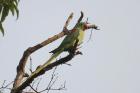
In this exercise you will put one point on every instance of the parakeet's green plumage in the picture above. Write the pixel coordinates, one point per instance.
(69, 41)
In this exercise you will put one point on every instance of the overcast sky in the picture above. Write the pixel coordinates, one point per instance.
(111, 60)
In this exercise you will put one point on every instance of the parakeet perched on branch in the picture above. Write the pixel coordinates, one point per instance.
(70, 40)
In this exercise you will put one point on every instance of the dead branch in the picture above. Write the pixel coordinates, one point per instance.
(5, 86)
(30, 50)
(49, 87)
(80, 18)
(33, 89)
(49, 67)
(30, 69)
(38, 84)
(19, 85)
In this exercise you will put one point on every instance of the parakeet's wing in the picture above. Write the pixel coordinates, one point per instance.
(67, 42)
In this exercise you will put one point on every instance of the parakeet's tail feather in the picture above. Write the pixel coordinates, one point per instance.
(53, 57)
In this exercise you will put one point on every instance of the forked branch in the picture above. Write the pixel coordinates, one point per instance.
(19, 85)
(21, 67)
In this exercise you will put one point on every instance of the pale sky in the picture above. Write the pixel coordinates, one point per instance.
(111, 60)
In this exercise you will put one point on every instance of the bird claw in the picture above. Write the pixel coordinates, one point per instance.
(68, 64)
(78, 52)
(78, 47)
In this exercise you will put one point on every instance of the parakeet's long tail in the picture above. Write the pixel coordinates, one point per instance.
(48, 62)
(53, 57)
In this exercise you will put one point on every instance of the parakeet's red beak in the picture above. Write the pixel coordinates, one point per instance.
(88, 26)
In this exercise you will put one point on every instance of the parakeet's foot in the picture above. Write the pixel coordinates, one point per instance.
(78, 52)
(78, 47)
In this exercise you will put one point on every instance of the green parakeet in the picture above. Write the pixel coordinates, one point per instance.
(67, 44)
(69, 41)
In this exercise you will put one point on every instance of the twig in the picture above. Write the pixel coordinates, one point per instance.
(67, 22)
(33, 83)
(31, 70)
(51, 84)
(90, 35)
(62, 87)
(38, 84)
(9, 84)
(3, 83)
(33, 89)
(80, 19)
(5, 86)
(53, 74)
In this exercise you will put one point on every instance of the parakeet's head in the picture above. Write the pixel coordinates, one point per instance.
(81, 26)
(85, 25)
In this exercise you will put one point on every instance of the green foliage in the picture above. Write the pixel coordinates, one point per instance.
(7, 6)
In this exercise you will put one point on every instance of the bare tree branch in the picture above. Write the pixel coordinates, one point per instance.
(53, 75)
(31, 70)
(38, 84)
(19, 85)
(3, 86)
(33, 89)
(67, 22)
(42, 71)
(30, 50)
(80, 18)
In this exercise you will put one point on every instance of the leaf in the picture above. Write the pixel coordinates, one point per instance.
(7, 6)
(12, 9)
(1, 29)
(5, 12)
(0, 9)
(16, 1)
(16, 9)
